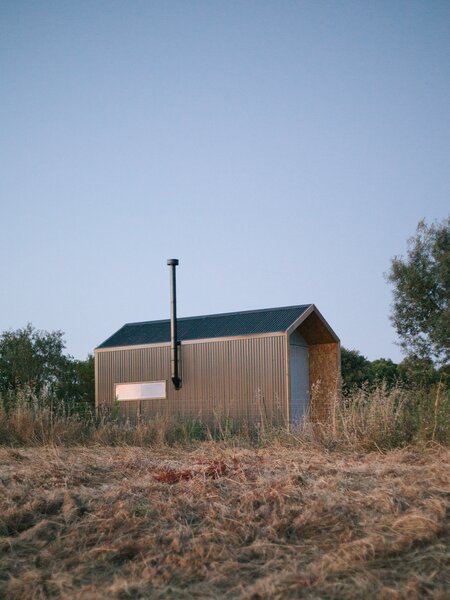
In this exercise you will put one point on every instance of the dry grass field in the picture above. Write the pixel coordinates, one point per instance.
(213, 521)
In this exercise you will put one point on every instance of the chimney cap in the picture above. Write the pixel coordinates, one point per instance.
(172, 262)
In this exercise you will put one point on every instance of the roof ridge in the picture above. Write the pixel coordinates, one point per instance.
(226, 314)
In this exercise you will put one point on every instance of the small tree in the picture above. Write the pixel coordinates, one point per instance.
(420, 312)
(418, 372)
(355, 370)
(385, 370)
(78, 383)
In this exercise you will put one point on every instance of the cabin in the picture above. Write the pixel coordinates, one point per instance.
(273, 365)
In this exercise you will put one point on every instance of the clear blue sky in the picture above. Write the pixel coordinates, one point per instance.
(283, 151)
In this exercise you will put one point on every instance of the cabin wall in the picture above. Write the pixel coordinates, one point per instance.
(239, 378)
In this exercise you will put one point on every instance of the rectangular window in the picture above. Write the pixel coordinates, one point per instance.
(148, 390)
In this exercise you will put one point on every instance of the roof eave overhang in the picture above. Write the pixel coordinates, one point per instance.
(195, 341)
(312, 309)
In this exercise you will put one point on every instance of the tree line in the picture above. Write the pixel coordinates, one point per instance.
(33, 362)
(357, 371)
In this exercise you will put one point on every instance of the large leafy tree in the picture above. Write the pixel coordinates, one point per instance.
(31, 359)
(421, 289)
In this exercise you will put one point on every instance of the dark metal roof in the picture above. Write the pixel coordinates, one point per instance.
(249, 322)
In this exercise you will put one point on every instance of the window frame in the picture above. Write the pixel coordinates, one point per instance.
(161, 381)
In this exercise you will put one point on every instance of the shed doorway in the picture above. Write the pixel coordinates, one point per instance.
(299, 376)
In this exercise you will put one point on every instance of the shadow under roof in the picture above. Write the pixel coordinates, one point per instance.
(249, 322)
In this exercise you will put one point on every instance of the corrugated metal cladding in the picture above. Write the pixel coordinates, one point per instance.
(244, 379)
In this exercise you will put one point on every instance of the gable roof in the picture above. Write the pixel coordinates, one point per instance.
(249, 322)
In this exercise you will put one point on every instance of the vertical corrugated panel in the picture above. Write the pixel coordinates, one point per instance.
(239, 378)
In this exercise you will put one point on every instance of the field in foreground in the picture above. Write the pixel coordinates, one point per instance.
(213, 522)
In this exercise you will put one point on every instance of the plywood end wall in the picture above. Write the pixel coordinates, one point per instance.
(324, 366)
(324, 378)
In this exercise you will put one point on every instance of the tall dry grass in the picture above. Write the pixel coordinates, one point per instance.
(381, 418)
(271, 523)
(388, 417)
(261, 514)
